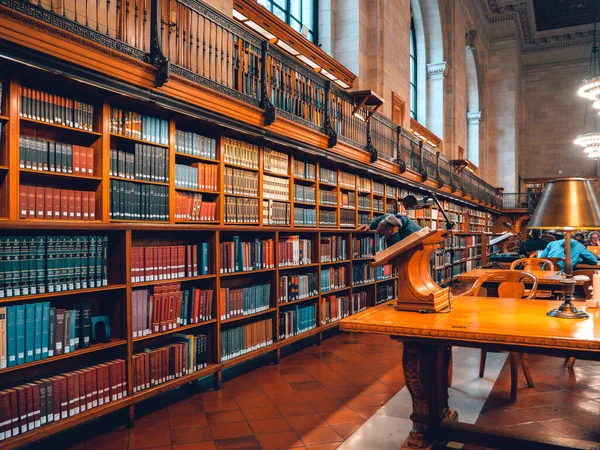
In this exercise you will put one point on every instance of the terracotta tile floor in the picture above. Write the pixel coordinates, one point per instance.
(313, 399)
(564, 402)
(317, 397)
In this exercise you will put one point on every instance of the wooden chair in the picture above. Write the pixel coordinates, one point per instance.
(511, 284)
(533, 264)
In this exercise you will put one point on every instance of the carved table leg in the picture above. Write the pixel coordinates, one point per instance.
(426, 374)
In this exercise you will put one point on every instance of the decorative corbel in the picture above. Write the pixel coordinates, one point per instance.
(265, 102)
(157, 58)
(332, 136)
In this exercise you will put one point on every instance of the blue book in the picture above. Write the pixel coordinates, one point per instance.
(72, 330)
(29, 332)
(20, 314)
(45, 329)
(11, 336)
(204, 258)
(37, 355)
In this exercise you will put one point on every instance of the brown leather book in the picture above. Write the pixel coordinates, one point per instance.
(94, 384)
(22, 407)
(77, 159)
(39, 202)
(82, 390)
(35, 404)
(90, 161)
(85, 205)
(48, 203)
(64, 204)
(92, 205)
(64, 397)
(55, 203)
(77, 205)
(23, 202)
(71, 203)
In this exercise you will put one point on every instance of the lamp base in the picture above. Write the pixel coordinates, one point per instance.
(567, 311)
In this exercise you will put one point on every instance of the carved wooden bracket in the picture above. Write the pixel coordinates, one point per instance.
(157, 58)
(332, 137)
(369, 147)
(265, 102)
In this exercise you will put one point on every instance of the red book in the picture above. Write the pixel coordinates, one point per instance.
(78, 196)
(23, 202)
(55, 203)
(56, 396)
(106, 381)
(64, 204)
(85, 205)
(48, 202)
(94, 384)
(89, 388)
(82, 390)
(123, 378)
(77, 160)
(90, 161)
(5, 419)
(39, 202)
(22, 407)
(36, 404)
(92, 205)
(71, 203)
(30, 407)
(113, 382)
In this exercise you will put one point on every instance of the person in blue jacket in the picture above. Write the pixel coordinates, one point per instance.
(394, 227)
(579, 253)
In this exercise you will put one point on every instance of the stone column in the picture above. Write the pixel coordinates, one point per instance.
(473, 121)
(436, 74)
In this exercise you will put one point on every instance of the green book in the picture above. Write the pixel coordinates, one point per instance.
(11, 336)
(45, 328)
(30, 332)
(20, 333)
(73, 329)
(32, 264)
(37, 355)
(70, 263)
(24, 266)
(85, 244)
(40, 259)
(51, 261)
(77, 262)
(66, 338)
(92, 243)
(104, 261)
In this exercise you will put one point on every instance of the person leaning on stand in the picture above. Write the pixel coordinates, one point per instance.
(579, 254)
(534, 242)
(394, 227)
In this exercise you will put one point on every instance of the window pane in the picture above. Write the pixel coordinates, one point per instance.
(279, 13)
(296, 25)
(296, 9)
(308, 13)
(263, 3)
(281, 3)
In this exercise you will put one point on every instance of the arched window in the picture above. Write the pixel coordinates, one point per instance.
(413, 70)
(296, 13)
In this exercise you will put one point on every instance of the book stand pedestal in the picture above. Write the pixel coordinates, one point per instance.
(411, 257)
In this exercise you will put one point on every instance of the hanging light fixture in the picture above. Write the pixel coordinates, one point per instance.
(590, 89)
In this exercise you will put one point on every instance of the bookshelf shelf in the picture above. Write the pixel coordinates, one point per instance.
(296, 202)
(237, 166)
(156, 183)
(196, 158)
(325, 206)
(164, 387)
(92, 134)
(250, 355)
(199, 222)
(46, 173)
(136, 140)
(245, 272)
(363, 258)
(302, 266)
(175, 330)
(3, 119)
(333, 291)
(198, 191)
(3, 168)
(249, 316)
(240, 195)
(329, 263)
(74, 354)
(275, 174)
(300, 300)
(348, 208)
(358, 285)
(304, 180)
(33, 297)
(242, 223)
(172, 280)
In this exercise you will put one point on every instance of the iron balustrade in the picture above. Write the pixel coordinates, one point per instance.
(190, 39)
(516, 200)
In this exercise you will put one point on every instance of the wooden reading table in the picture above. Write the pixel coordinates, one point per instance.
(547, 279)
(480, 322)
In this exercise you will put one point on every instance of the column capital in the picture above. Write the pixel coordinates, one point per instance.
(474, 118)
(437, 71)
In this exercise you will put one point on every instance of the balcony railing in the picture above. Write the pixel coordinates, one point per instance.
(525, 200)
(189, 39)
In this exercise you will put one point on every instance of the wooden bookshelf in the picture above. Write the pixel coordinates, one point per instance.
(115, 300)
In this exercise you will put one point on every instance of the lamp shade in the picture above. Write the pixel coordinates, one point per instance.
(567, 204)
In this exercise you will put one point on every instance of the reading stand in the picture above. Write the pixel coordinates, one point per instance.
(412, 259)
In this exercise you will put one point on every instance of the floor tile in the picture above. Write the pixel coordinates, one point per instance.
(319, 436)
(231, 430)
(279, 441)
(235, 415)
(193, 434)
(268, 426)
(149, 440)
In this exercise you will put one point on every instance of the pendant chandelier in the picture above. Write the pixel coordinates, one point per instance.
(590, 89)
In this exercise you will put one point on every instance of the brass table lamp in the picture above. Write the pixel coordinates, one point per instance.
(567, 204)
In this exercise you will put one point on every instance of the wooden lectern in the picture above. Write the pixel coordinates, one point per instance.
(412, 259)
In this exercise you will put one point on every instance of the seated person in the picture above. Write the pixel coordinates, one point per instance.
(534, 242)
(394, 227)
(593, 238)
(579, 237)
(579, 254)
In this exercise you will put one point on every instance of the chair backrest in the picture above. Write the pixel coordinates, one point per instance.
(511, 284)
(533, 264)
(587, 284)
